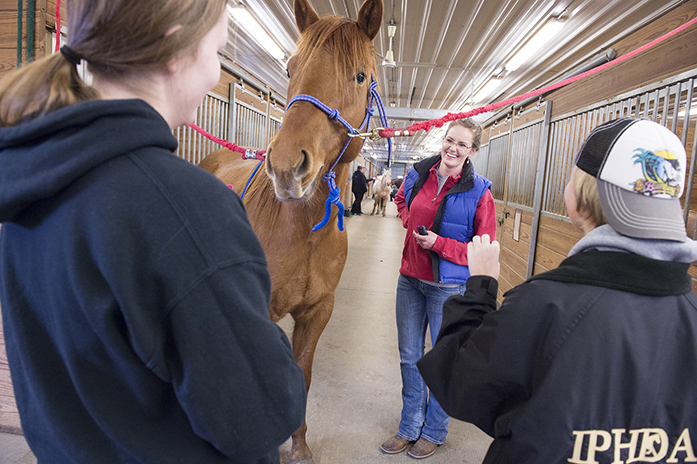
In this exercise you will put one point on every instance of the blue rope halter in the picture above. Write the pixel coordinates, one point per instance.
(330, 176)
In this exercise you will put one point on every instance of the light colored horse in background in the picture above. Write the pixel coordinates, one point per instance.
(380, 189)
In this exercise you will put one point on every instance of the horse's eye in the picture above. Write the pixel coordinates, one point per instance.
(288, 73)
(360, 77)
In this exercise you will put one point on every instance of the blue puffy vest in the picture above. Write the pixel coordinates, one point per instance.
(455, 215)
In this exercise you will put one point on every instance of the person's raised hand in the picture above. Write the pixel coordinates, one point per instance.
(483, 256)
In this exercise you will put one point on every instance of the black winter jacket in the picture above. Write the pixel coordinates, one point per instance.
(593, 362)
(359, 183)
(135, 299)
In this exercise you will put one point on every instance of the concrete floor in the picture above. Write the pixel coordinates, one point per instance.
(14, 450)
(354, 403)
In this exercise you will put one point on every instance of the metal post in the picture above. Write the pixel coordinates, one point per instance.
(268, 122)
(539, 181)
(691, 176)
(232, 110)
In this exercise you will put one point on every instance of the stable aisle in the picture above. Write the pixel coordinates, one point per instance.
(354, 402)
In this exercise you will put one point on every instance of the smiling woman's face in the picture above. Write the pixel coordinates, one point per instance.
(457, 147)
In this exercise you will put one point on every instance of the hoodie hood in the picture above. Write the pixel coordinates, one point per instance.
(43, 156)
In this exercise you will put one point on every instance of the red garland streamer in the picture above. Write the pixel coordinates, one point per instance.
(246, 154)
(58, 26)
(426, 125)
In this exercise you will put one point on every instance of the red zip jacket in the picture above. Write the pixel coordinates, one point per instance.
(416, 262)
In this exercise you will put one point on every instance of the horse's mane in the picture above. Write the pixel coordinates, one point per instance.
(341, 36)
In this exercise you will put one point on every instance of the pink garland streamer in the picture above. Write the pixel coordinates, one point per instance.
(426, 125)
(58, 26)
(256, 154)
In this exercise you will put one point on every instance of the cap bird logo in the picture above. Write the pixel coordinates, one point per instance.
(661, 173)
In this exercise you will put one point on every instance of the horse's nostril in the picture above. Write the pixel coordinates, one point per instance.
(303, 166)
(269, 168)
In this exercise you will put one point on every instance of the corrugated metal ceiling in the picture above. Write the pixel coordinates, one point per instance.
(446, 50)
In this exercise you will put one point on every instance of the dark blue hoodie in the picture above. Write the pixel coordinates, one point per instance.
(135, 298)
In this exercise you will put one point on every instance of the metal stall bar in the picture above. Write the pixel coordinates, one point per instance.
(498, 148)
(690, 177)
(547, 199)
(521, 183)
(232, 115)
(676, 108)
(539, 181)
(688, 104)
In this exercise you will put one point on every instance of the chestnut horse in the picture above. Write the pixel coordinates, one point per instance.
(333, 62)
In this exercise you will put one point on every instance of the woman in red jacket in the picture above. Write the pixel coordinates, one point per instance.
(452, 203)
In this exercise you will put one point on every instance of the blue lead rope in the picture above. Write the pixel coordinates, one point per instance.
(333, 114)
(249, 181)
(334, 197)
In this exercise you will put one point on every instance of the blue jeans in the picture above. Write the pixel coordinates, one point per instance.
(419, 305)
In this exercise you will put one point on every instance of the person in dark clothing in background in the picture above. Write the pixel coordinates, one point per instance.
(134, 293)
(359, 186)
(592, 362)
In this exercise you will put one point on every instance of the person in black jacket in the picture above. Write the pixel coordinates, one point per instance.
(593, 362)
(359, 186)
(134, 293)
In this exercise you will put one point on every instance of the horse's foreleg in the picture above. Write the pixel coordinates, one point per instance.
(375, 203)
(309, 325)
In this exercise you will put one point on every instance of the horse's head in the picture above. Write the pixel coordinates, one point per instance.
(388, 176)
(334, 62)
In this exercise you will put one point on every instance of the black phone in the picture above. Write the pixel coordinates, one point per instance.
(422, 230)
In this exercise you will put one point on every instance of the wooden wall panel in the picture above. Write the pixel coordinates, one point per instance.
(555, 239)
(50, 6)
(9, 416)
(8, 37)
(8, 33)
(519, 248)
(223, 87)
(507, 280)
(8, 60)
(516, 264)
(250, 96)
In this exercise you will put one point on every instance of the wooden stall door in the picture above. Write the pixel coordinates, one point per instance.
(519, 211)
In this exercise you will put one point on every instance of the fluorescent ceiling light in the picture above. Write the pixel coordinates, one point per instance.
(391, 29)
(536, 42)
(488, 88)
(255, 31)
(389, 59)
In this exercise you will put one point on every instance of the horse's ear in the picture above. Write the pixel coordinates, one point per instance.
(370, 18)
(305, 16)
